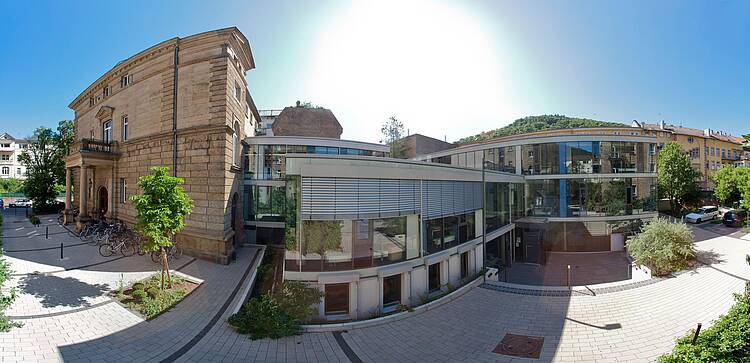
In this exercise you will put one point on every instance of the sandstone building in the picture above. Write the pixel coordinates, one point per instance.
(183, 103)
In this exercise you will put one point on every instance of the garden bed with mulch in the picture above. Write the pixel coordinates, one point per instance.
(148, 300)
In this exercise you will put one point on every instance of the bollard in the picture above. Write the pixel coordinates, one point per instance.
(569, 287)
(46, 232)
(697, 331)
(61, 250)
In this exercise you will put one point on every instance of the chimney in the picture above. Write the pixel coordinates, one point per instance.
(706, 132)
(661, 125)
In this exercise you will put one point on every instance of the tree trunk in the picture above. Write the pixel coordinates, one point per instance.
(165, 268)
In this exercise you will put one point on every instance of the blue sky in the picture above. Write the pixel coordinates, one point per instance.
(447, 69)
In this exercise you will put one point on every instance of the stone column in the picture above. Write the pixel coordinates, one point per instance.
(67, 189)
(83, 193)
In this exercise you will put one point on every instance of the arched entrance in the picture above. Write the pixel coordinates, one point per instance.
(103, 201)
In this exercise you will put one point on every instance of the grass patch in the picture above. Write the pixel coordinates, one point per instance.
(146, 298)
(6, 296)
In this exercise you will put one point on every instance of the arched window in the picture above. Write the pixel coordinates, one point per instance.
(235, 143)
(6, 170)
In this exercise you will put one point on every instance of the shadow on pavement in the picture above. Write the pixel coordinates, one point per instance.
(60, 291)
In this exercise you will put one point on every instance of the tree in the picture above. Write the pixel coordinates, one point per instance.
(45, 163)
(733, 186)
(676, 178)
(162, 209)
(393, 132)
(320, 237)
(665, 247)
(10, 185)
(538, 123)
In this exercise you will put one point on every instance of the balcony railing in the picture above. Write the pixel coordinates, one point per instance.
(95, 146)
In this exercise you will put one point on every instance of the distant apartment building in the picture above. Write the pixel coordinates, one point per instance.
(10, 151)
(183, 103)
(708, 149)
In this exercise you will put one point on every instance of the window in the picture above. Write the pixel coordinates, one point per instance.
(6, 157)
(107, 131)
(92, 101)
(690, 140)
(235, 143)
(706, 152)
(464, 265)
(433, 277)
(106, 91)
(391, 290)
(6, 170)
(124, 127)
(18, 171)
(91, 135)
(126, 80)
(5, 145)
(237, 91)
(123, 190)
(337, 299)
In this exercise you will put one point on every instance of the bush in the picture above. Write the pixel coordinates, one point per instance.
(264, 318)
(727, 340)
(138, 294)
(153, 292)
(297, 299)
(139, 286)
(663, 246)
(34, 219)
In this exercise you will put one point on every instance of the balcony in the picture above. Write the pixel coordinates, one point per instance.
(92, 152)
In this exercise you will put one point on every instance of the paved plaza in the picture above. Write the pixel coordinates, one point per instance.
(67, 315)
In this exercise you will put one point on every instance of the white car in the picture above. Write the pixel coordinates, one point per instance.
(704, 213)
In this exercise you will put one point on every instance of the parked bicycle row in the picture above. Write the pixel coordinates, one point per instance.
(113, 236)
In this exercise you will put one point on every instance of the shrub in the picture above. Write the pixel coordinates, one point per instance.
(138, 294)
(138, 286)
(34, 219)
(727, 340)
(297, 299)
(663, 246)
(264, 318)
(153, 292)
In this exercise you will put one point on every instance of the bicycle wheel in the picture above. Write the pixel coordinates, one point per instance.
(106, 250)
(176, 251)
(156, 257)
(127, 249)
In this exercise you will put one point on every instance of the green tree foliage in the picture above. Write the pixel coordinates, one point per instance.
(297, 299)
(538, 123)
(676, 178)
(733, 186)
(45, 163)
(663, 246)
(727, 340)
(393, 133)
(162, 209)
(320, 237)
(10, 185)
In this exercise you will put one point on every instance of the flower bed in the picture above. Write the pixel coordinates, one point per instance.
(147, 299)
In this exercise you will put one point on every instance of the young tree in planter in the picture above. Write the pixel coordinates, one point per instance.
(162, 209)
(676, 178)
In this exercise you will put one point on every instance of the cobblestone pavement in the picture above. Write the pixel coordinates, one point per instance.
(633, 325)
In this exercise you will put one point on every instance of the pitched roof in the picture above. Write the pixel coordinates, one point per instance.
(303, 121)
(693, 132)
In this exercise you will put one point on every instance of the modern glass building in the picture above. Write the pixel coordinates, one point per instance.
(583, 188)
(373, 232)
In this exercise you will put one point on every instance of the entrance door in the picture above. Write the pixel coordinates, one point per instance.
(531, 243)
(103, 201)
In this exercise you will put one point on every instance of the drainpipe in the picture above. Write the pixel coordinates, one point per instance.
(174, 108)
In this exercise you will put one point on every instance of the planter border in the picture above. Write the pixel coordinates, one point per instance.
(320, 328)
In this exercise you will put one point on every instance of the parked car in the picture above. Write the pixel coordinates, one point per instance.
(704, 213)
(2, 204)
(735, 218)
(20, 203)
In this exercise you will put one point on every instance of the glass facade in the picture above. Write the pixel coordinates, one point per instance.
(264, 203)
(268, 162)
(574, 157)
(590, 197)
(334, 245)
(446, 232)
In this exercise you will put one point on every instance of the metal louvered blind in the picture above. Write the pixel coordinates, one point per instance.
(339, 198)
(441, 198)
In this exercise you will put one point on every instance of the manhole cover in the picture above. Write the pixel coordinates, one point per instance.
(520, 346)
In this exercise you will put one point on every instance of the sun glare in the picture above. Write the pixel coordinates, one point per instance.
(431, 64)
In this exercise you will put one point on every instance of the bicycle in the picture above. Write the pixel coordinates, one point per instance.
(173, 252)
(123, 246)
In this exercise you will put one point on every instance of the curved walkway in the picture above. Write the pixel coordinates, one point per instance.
(636, 324)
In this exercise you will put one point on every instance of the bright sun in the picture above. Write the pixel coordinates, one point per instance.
(429, 63)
